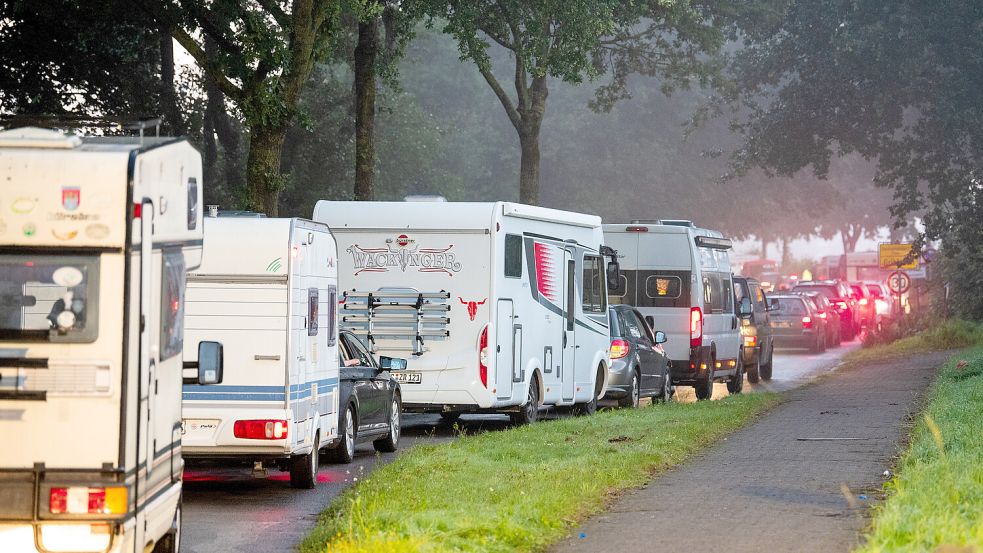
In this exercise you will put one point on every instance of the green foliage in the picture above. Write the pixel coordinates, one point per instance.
(523, 488)
(936, 497)
(897, 340)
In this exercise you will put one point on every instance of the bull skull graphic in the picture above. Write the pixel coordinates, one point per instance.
(472, 306)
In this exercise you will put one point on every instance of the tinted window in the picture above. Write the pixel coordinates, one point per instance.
(513, 255)
(626, 292)
(650, 282)
(593, 285)
(718, 293)
(172, 305)
(632, 329)
(758, 300)
(791, 306)
(312, 311)
(663, 287)
(828, 290)
(332, 314)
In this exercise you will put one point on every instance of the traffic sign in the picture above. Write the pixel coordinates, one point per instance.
(893, 256)
(899, 282)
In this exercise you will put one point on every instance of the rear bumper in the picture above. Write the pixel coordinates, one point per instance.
(803, 340)
(688, 371)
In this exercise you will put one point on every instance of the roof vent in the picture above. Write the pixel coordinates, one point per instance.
(645, 221)
(35, 137)
(677, 223)
(425, 198)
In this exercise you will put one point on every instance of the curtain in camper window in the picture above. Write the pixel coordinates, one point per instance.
(312, 311)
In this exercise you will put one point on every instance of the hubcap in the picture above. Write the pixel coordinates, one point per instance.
(634, 391)
(314, 455)
(394, 421)
(350, 434)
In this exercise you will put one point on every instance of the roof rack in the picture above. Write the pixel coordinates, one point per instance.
(398, 314)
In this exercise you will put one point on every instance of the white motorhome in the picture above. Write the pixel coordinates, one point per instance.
(501, 307)
(679, 277)
(96, 236)
(267, 289)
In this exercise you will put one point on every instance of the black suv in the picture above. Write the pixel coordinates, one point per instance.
(757, 341)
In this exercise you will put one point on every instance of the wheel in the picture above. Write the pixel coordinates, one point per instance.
(752, 372)
(817, 345)
(585, 409)
(449, 417)
(631, 400)
(344, 451)
(171, 541)
(736, 383)
(391, 441)
(765, 370)
(667, 391)
(303, 468)
(530, 409)
(704, 386)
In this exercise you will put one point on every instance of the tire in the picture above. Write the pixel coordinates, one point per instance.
(450, 418)
(752, 373)
(344, 451)
(704, 387)
(171, 541)
(765, 370)
(391, 441)
(589, 408)
(665, 395)
(530, 409)
(736, 383)
(634, 392)
(817, 345)
(303, 468)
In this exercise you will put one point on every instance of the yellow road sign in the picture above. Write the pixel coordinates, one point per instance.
(892, 256)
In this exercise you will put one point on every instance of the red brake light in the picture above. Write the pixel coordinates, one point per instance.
(750, 341)
(822, 315)
(260, 429)
(58, 501)
(841, 305)
(619, 348)
(807, 322)
(636, 229)
(483, 356)
(863, 301)
(86, 500)
(695, 327)
(137, 211)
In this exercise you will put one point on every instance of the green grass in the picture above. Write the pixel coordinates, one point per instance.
(936, 498)
(951, 334)
(523, 488)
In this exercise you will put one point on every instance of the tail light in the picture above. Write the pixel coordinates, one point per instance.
(822, 315)
(619, 348)
(79, 500)
(841, 305)
(806, 322)
(750, 341)
(636, 229)
(695, 327)
(260, 429)
(863, 301)
(483, 356)
(137, 211)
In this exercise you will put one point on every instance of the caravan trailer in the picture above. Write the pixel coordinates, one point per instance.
(267, 289)
(95, 238)
(679, 277)
(499, 307)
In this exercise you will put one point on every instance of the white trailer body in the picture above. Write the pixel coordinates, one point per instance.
(680, 276)
(267, 289)
(484, 299)
(95, 239)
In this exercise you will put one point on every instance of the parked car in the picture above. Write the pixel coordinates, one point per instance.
(841, 297)
(757, 342)
(639, 365)
(796, 323)
(827, 312)
(371, 401)
(865, 305)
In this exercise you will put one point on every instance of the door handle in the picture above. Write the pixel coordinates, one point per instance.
(564, 338)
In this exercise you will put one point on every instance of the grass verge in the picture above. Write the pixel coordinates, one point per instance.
(951, 334)
(936, 498)
(523, 488)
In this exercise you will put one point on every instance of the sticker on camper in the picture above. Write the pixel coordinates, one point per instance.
(472, 306)
(71, 197)
(403, 253)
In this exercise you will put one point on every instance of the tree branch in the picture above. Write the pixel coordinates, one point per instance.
(510, 110)
(209, 25)
(273, 8)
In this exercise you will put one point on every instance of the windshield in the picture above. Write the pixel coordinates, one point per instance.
(48, 298)
(790, 306)
(827, 290)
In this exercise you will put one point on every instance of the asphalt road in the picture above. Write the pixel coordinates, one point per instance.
(227, 510)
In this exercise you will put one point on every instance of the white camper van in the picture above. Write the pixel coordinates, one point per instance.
(679, 277)
(267, 289)
(499, 307)
(95, 239)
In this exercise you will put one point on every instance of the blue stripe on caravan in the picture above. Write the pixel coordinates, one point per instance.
(223, 392)
(238, 396)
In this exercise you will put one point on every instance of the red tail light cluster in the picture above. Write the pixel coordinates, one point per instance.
(619, 348)
(695, 327)
(841, 305)
(750, 341)
(822, 315)
(863, 301)
(806, 322)
(483, 356)
(260, 429)
(81, 500)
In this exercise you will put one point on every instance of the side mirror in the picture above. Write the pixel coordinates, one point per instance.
(650, 320)
(613, 275)
(746, 309)
(210, 362)
(392, 363)
(660, 337)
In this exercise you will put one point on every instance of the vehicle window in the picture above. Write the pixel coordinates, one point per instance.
(740, 290)
(646, 331)
(357, 351)
(172, 304)
(718, 293)
(627, 289)
(663, 287)
(593, 297)
(312, 311)
(513, 256)
(791, 306)
(631, 324)
(708, 260)
(613, 322)
(49, 298)
(332, 314)
(829, 290)
(760, 303)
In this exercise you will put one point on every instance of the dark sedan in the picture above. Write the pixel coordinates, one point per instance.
(795, 323)
(639, 366)
(370, 402)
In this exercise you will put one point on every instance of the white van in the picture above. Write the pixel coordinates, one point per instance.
(95, 239)
(501, 307)
(267, 289)
(679, 277)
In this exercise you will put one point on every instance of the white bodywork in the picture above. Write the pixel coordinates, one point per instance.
(267, 290)
(124, 218)
(537, 326)
(649, 257)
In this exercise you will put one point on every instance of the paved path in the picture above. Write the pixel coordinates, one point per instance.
(765, 488)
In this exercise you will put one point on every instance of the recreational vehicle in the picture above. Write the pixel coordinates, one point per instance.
(499, 307)
(95, 238)
(267, 289)
(679, 277)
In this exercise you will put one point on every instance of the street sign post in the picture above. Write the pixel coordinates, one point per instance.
(893, 256)
(899, 282)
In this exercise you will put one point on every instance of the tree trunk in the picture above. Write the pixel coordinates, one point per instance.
(529, 168)
(786, 252)
(365, 54)
(764, 248)
(263, 177)
(173, 122)
(850, 236)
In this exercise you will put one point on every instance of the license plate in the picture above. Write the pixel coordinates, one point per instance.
(783, 324)
(408, 377)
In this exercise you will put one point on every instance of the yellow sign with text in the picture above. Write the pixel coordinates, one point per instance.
(893, 256)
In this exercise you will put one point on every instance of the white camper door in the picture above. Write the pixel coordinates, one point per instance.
(569, 341)
(148, 363)
(505, 365)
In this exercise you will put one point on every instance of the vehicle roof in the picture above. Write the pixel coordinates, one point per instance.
(663, 229)
(439, 215)
(249, 245)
